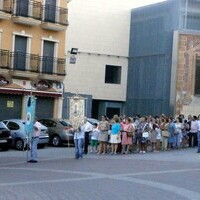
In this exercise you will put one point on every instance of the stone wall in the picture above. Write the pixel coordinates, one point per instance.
(187, 102)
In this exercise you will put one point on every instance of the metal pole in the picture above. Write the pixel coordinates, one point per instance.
(27, 148)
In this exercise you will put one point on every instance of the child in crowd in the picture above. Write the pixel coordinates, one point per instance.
(94, 138)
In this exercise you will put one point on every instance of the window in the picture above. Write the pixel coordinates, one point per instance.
(197, 78)
(48, 123)
(13, 126)
(113, 74)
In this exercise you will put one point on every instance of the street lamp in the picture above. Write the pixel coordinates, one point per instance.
(73, 53)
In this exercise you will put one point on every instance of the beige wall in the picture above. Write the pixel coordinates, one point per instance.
(36, 34)
(9, 27)
(88, 74)
(100, 31)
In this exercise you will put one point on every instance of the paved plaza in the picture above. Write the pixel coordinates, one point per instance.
(173, 175)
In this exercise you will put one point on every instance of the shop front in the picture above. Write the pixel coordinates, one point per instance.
(12, 98)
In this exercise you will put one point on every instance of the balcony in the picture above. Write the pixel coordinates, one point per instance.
(5, 9)
(54, 18)
(4, 62)
(30, 66)
(27, 13)
(52, 68)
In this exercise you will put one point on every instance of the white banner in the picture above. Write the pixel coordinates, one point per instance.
(77, 110)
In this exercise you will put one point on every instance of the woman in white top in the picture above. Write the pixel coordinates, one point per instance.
(177, 133)
(78, 141)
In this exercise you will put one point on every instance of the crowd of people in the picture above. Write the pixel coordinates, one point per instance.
(124, 135)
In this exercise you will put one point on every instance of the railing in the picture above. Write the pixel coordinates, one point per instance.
(4, 59)
(51, 64)
(61, 66)
(34, 9)
(6, 6)
(30, 9)
(32, 63)
(24, 62)
(54, 14)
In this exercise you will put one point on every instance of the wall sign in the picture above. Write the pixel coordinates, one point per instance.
(10, 104)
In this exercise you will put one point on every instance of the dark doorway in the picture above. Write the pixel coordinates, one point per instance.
(48, 57)
(50, 11)
(20, 53)
(112, 111)
(95, 108)
(22, 8)
(10, 106)
(44, 107)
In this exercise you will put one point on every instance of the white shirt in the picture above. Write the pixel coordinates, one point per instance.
(88, 127)
(178, 128)
(194, 127)
(158, 133)
(95, 134)
(198, 122)
(79, 134)
(37, 129)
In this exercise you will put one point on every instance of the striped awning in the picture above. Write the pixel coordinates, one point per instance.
(30, 92)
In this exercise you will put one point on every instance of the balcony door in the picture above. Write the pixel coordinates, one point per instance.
(50, 11)
(20, 53)
(22, 8)
(48, 57)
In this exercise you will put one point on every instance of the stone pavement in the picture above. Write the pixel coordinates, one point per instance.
(173, 175)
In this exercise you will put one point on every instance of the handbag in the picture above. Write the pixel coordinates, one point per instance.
(145, 134)
(144, 140)
(165, 134)
(129, 134)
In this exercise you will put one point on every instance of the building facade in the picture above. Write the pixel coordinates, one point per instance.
(186, 67)
(162, 74)
(100, 31)
(32, 56)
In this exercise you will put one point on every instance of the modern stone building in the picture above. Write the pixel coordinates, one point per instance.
(32, 56)
(164, 66)
(100, 30)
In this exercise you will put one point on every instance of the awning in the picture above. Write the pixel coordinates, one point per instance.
(29, 92)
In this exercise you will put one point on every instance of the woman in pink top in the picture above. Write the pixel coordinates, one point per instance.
(127, 141)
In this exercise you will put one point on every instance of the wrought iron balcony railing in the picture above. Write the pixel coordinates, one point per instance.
(32, 63)
(4, 59)
(54, 14)
(49, 64)
(24, 62)
(29, 8)
(35, 10)
(6, 6)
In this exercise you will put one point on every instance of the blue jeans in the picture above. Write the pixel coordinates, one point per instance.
(34, 143)
(177, 140)
(78, 148)
(198, 136)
